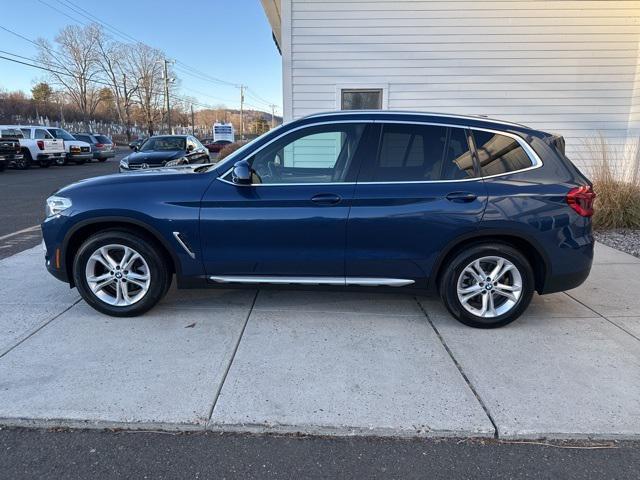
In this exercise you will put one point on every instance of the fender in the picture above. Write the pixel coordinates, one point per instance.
(123, 220)
(486, 234)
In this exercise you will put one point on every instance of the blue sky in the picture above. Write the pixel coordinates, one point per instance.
(226, 39)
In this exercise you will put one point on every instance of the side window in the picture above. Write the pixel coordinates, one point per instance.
(499, 154)
(40, 134)
(320, 154)
(410, 153)
(26, 132)
(192, 141)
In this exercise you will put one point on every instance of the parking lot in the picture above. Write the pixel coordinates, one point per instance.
(25, 191)
(323, 363)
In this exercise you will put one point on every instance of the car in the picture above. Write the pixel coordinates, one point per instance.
(37, 146)
(76, 151)
(165, 150)
(482, 212)
(137, 143)
(10, 151)
(101, 145)
(215, 146)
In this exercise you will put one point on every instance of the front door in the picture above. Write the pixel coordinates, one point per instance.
(290, 223)
(417, 194)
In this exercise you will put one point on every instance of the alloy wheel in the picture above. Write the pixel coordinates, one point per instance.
(489, 286)
(118, 275)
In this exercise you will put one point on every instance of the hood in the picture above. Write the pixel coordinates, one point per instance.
(141, 176)
(77, 143)
(154, 158)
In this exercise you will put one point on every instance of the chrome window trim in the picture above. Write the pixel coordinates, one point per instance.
(536, 161)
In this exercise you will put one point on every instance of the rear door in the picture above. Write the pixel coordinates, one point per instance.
(419, 192)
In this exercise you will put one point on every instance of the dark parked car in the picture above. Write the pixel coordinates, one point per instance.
(10, 150)
(165, 150)
(101, 145)
(480, 211)
(215, 146)
(137, 143)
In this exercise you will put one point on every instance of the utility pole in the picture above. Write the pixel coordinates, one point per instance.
(166, 94)
(242, 87)
(193, 123)
(273, 112)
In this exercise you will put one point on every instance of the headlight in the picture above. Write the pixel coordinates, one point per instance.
(124, 163)
(176, 162)
(56, 205)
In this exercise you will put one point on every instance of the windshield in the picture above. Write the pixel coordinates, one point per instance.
(102, 139)
(164, 144)
(60, 134)
(11, 133)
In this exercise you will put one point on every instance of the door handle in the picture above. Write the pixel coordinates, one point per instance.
(326, 199)
(461, 197)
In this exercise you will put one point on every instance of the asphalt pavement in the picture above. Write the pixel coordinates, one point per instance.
(23, 193)
(94, 454)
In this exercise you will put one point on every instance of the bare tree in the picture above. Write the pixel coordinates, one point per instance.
(115, 62)
(147, 68)
(74, 65)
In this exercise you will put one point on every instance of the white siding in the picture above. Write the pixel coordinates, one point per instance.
(569, 67)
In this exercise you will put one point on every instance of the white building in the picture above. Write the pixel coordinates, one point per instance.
(570, 67)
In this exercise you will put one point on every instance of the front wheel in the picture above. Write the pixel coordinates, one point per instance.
(487, 285)
(120, 273)
(25, 161)
(60, 161)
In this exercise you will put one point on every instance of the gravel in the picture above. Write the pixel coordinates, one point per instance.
(624, 239)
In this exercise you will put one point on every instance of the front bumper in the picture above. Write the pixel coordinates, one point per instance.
(101, 154)
(72, 156)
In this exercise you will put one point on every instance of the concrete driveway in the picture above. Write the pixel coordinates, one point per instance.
(319, 362)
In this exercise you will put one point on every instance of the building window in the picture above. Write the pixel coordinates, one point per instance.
(361, 99)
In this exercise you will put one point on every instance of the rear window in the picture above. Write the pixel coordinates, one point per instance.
(498, 154)
(411, 153)
(11, 133)
(102, 139)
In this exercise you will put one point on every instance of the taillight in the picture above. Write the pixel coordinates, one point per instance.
(40, 144)
(99, 145)
(581, 200)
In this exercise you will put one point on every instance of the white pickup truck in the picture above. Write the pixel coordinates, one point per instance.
(75, 150)
(37, 145)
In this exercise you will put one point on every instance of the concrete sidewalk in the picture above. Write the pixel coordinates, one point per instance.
(323, 362)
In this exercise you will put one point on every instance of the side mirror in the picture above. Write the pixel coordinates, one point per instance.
(136, 148)
(189, 148)
(241, 174)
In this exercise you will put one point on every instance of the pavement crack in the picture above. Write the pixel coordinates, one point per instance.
(461, 370)
(2, 354)
(233, 356)
(602, 316)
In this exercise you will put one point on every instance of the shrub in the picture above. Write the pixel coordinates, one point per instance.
(617, 187)
(228, 150)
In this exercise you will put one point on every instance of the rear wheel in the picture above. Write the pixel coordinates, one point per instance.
(60, 161)
(487, 285)
(120, 273)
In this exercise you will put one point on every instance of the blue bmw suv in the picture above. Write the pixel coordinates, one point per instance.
(479, 211)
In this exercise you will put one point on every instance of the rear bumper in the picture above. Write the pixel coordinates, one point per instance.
(571, 272)
(49, 156)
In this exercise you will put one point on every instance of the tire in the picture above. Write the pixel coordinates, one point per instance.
(3, 165)
(509, 296)
(25, 162)
(152, 275)
(60, 161)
